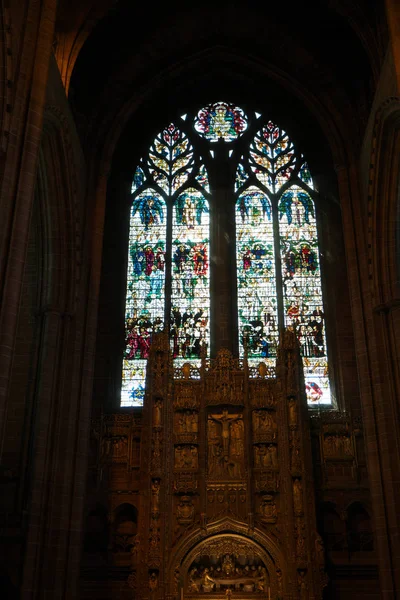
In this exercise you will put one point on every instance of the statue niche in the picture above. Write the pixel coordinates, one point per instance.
(225, 433)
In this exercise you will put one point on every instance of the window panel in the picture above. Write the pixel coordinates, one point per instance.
(302, 292)
(190, 297)
(145, 297)
(257, 300)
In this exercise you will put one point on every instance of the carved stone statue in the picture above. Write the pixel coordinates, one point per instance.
(135, 550)
(207, 581)
(155, 496)
(153, 582)
(262, 580)
(215, 457)
(263, 422)
(292, 412)
(268, 512)
(302, 585)
(297, 497)
(187, 422)
(186, 457)
(157, 412)
(237, 439)
(193, 585)
(272, 456)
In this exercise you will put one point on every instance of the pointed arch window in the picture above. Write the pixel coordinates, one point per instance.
(272, 203)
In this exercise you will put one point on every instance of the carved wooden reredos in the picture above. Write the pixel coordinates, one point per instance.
(225, 495)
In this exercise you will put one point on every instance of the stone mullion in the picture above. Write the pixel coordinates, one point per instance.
(19, 176)
(378, 427)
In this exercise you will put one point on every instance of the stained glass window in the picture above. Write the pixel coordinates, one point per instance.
(170, 244)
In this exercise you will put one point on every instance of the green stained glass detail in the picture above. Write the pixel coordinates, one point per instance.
(170, 161)
(190, 298)
(257, 299)
(220, 121)
(302, 292)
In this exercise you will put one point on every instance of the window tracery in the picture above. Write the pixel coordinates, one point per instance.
(277, 254)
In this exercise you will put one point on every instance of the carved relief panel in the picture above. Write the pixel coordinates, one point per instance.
(225, 445)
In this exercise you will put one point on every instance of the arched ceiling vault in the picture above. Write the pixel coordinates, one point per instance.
(326, 55)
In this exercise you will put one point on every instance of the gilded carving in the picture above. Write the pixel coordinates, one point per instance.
(225, 445)
(157, 412)
(337, 445)
(292, 408)
(297, 497)
(268, 512)
(228, 574)
(135, 548)
(153, 582)
(186, 457)
(185, 397)
(295, 456)
(185, 482)
(261, 395)
(300, 539)
(156, 452)
(264, 424)
(186, 422)
(185, 511)
(115, 447)
(267, 481)
(302, 584)
(155, 496)
(266, 456)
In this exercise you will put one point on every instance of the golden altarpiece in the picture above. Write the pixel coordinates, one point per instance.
(225, 492)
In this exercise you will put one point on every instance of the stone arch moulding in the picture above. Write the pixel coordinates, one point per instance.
(232, 533)
(383, 205)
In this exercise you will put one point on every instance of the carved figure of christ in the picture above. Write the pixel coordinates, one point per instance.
(225, 419)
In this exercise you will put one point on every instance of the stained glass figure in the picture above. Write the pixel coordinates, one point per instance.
(190, 298)
(272, 157)
(257, 299)
(302, 293)
(144, 312)
(170, 160)
(220, 121)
